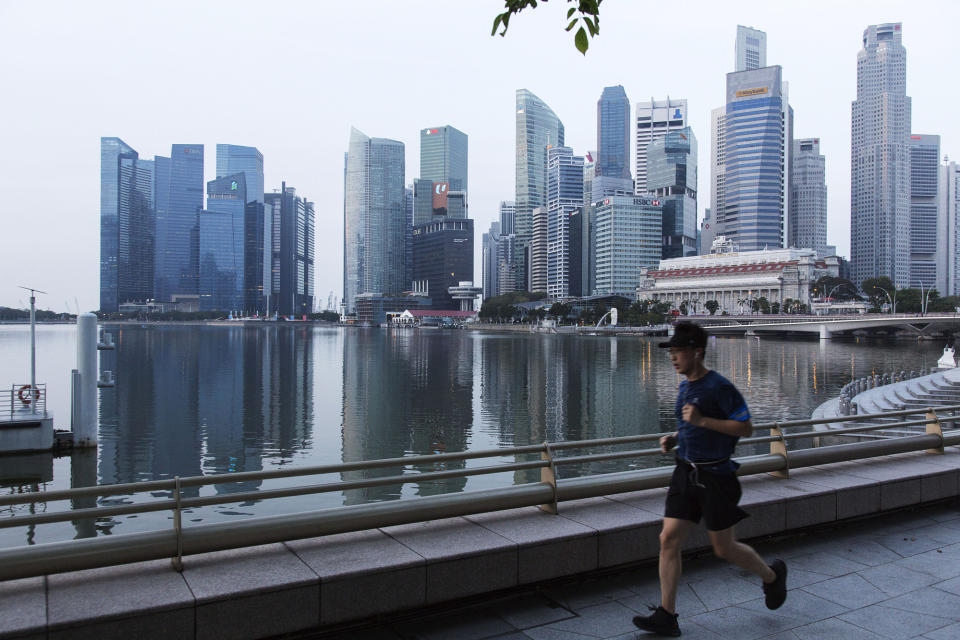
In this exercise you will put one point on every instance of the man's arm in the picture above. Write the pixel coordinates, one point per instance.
(742, 429)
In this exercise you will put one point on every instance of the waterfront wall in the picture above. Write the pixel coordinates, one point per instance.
(323, 582)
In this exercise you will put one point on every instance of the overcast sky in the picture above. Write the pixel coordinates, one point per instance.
(291, 78)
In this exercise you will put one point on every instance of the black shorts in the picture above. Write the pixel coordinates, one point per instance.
(715, 501)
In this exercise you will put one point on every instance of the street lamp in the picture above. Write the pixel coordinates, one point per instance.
(893, 300)
(924, 299)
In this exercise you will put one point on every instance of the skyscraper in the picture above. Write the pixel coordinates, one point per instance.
(537, 127)
(948, 241)
(443, 169)
(672, 177)
(654, 120)
(757, 146)
(628, 237)
(489, 276)
(127, 225)
(293, 249)
(408, 238)
(537, 250)
(613, 133)
(808, 197)
(880, 159)
(508, 213)
(564, 196)
(751, 49)
(179, 199)
(718, 132)
(374, 218)
(222, 286)
(233, 158)
(924, 174)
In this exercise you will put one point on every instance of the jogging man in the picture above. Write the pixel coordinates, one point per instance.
(711, 417)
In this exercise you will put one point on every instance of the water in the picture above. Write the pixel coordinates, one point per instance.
(196, 400)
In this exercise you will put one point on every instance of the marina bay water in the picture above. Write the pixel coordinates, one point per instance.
(196, 400)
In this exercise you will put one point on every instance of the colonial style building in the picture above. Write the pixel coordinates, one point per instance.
(735, 278)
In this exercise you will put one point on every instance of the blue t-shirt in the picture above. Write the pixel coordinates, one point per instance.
(715, 397)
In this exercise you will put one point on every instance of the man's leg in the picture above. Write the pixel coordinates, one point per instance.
(726, 546)
(672, 536)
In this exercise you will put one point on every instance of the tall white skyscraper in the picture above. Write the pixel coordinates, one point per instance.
(948, 223)
(751, 49)
(880, 159)
(654, 120)
(808, 197)
(718, 125)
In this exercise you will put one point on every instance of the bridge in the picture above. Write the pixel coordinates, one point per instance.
(828, 326)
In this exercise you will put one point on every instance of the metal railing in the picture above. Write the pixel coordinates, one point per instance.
(22, 401)
(87, 553)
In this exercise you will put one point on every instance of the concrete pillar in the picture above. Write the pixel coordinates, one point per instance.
(85, 430)
(824, 332)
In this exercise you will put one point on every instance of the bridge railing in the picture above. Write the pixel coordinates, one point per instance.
(548, 492)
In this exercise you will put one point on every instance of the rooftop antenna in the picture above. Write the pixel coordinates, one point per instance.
(33, 345)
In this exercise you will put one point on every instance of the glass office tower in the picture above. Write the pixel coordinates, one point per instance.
(613, 133)
(222, 286)
(234, 158)
(374, 218)
(179, 199)
(627, 238)
(564, 196)
(672, 177)
(924, 177)
(291, 252)
(127, 225)
(654, 120)
(757, 145)
(808, 197)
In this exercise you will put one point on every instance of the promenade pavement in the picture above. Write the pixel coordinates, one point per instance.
(894, 577)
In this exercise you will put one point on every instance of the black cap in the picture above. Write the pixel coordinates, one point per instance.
(686, 334)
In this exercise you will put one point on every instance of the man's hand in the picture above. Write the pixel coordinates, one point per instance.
(668, 442)
(691, 414)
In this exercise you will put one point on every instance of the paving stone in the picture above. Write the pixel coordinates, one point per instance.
(688, 603)
(929, 600)
(894, 623)
(598, 621)
(894, 580)
(939, 486)
(723, 591)
(946, 633)
(894, 495)
(907, 544)
(23, 607)
(587, 594)
(252, 592)
(745, 624)
(934, 563)
(463, 558)
(549, 546)
(531, 611)
(146, 599)
(939, 532)
(866, 552)
(850, 591)
(834, 629)
(626, 533)
(549, 633)
(944, 513)
(951, 586)
(800, 605)
(651, 500)
(462, 625)
(826, 563)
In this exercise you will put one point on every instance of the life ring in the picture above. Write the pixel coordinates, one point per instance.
(24, 394)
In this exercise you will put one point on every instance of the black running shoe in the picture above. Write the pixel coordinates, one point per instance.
(659, 622)
(776, 591)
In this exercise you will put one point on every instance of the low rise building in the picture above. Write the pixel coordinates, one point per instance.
(735, 278)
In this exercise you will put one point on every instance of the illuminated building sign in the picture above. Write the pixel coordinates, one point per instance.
(234, 186)
(751, 92)
(440, 190)
(431, 131)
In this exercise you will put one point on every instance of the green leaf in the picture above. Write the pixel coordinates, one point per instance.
(496, 23)
(570, 12)
(572, 24)
(581, 41)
